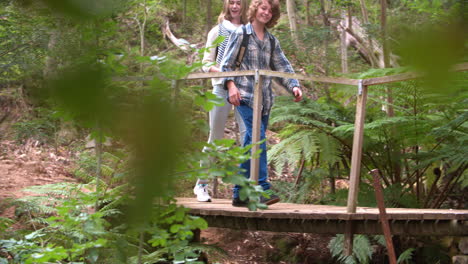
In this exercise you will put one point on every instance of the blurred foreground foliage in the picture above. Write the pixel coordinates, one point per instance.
(124, 212)
(83, 62)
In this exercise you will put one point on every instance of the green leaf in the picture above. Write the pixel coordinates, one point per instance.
(407, 255)
(34, 235)
(175, 228)
(92, 255)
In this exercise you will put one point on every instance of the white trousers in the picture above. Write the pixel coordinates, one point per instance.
(218, 117)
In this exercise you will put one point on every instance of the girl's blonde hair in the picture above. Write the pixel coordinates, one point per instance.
(275, 10)
(226, 15)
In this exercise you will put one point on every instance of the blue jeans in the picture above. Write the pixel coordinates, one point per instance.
(247, 116)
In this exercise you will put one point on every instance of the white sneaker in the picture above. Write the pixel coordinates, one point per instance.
(201, 190)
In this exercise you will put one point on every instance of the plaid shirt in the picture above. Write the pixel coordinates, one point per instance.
(257, 56)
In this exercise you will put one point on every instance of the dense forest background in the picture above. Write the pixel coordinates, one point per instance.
(97, 80)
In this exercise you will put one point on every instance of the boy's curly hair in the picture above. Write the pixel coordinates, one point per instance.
(275, 10)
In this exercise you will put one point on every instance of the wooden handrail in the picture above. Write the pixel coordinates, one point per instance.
(306, 77)
(407, 76)
(209, 75)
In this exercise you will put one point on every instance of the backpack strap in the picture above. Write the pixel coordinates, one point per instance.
(245, 42)
(273, 44)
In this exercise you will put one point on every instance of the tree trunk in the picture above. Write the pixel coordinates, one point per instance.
(323, 12)
(208, 16)
(383, 28)
(327, 24)
(291, 8)
(350, 18)
(50, 61)
(385, 51)
(344, 51)
(184, 10)
(142, 28)
(299, 173)
(365, 17)
(364, 11)
(307, 12)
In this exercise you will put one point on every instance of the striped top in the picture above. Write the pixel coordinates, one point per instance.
(224, 32)
(225, 28)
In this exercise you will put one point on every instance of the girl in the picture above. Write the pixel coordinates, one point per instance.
(263, 52)
(233, 15)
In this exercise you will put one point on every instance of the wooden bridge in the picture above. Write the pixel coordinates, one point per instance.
(327, 219)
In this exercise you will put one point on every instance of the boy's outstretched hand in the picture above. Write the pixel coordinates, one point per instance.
(297, 92)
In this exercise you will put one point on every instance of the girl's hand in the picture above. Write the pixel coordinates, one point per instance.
(214, 69)
(297, 92)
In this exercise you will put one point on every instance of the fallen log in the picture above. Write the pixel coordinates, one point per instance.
(357, 37)
(179, 42)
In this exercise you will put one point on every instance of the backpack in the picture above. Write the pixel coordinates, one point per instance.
(245, 42)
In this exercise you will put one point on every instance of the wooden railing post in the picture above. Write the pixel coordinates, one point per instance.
(256, 125)
(356, 160)
(357, 148)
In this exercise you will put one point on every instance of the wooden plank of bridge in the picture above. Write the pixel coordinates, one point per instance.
(327, 219)
(256, 125)
(223, 207)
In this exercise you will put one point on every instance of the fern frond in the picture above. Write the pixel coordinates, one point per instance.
(107, 171)
(210, 249)
(406, 255)
(110, 158)
(329, 149)
(118, 177)
(38, 221)
(5, 223)
(83, 175)
(362, 249)
(111, 206)
(111, 212)
(290, 150)
(156, 256)
(380, 239)
(35, 205)
(384, 123)
(344, 131)
(61, 189)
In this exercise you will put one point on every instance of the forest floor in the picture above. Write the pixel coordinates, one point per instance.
(33, 164)
(27, 165)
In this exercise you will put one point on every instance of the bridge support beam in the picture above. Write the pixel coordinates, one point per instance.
(332, 227)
